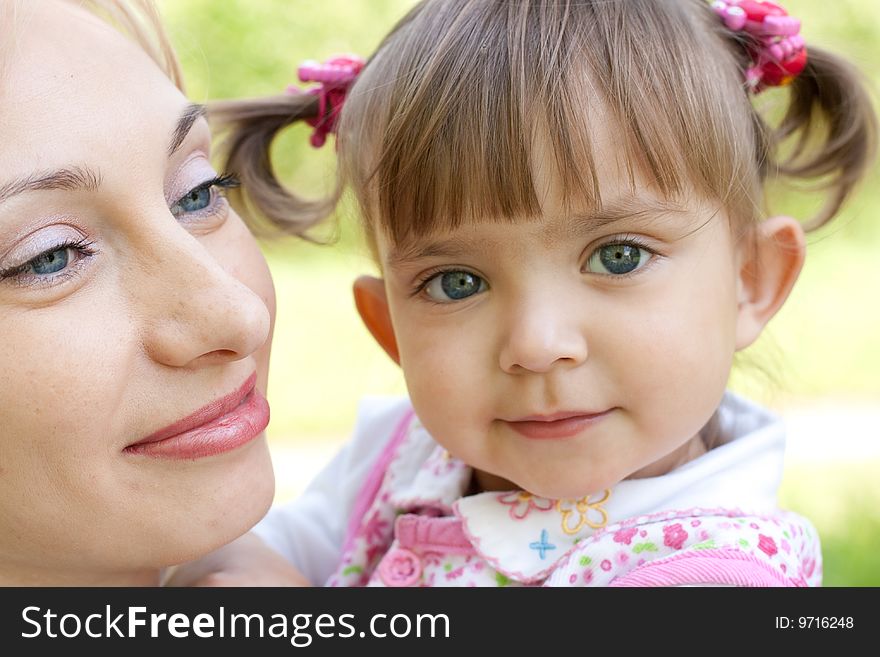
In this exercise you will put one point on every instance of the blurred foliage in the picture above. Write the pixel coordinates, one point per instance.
(841, 499)
(824, 343)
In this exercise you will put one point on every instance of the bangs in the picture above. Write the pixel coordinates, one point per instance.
(469, 108)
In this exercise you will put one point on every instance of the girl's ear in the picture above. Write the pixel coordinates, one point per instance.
(372, 304)
(769, 268)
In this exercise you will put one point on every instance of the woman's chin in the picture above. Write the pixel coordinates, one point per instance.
(228, 497)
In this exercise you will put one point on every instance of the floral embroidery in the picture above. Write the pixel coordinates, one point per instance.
(625, 535)
(674, 536)
(767, 545)
(521, 503)
(577, 513)
(376, 528)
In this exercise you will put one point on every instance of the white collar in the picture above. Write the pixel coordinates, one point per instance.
(524, 536)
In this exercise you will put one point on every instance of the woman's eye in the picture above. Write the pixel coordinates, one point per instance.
(50, 262)
(454, 286)
(618, 259)
(195, 200)
(204, 197)
(52, 265)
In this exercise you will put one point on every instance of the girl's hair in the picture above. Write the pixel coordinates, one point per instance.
(463, 100)
(253, 125)
(256, 123)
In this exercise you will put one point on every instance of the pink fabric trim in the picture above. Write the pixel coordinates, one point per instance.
(432, 534)
(374, 480)
(723, 566)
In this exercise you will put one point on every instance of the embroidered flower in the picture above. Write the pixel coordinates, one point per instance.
(577, 513)
(375, 529)
(521, 503)
(625, 535)
(674, 536)
(767, 545)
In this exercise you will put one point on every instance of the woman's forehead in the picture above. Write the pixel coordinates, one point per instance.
(75, 89)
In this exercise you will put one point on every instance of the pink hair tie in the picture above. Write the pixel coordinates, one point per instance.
(334, 78)
(778, 52)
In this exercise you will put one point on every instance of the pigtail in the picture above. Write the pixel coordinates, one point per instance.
(252, 126)
(831, 118)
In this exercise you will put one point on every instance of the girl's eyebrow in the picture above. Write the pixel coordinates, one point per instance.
(626, 208)
(82, 177)
(623, 209)
(403, 254)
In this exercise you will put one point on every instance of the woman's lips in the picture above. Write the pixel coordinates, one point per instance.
(218, 427)
(556, 426)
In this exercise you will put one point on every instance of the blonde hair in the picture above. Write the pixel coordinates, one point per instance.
(443, 124)
(137, 19)
(140, 21)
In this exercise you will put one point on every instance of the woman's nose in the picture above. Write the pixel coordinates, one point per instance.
(542, 335)
(195, 312)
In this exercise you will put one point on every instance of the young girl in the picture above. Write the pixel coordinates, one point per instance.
(136, 309)
(566, 202)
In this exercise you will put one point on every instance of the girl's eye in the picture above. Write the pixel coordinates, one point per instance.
(618, 259)
(203, 197)
(453, 286)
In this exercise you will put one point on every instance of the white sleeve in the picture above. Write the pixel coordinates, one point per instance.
(310, 530)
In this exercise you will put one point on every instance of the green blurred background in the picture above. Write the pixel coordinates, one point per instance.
(821, 352)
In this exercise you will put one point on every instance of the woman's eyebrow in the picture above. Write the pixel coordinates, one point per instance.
(65, 179)
(191, 113)
(82, 177)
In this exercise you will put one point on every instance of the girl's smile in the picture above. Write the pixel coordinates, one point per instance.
(565, 424)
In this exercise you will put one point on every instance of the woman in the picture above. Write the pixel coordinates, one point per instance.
(136, 312)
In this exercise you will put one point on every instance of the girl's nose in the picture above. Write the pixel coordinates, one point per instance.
(195, 312)
(541, 336)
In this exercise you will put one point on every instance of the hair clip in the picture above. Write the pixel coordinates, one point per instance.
(334, 78)
(777, 50)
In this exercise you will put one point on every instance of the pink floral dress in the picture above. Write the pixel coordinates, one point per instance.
(413, 526)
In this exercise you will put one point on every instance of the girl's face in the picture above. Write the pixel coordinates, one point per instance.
(134, 304)
(566, 354)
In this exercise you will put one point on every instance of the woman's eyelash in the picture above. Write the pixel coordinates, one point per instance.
(226, 181)
(82, 246)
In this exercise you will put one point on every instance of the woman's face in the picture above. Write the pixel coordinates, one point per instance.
(136, 312)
